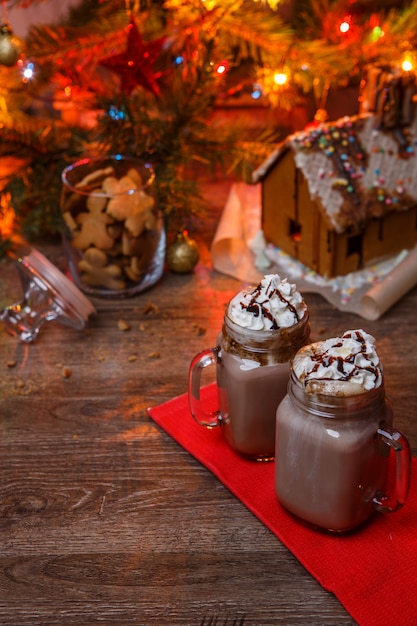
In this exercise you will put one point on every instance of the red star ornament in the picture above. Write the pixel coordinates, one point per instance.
(135, 66)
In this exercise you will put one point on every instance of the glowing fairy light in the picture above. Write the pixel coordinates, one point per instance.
(406, 65)
(115, 113)
(344, 27)
(210, 4)
(256, 92)
(221, 68)
(377, 33)
(27, 72)
(280, 78)
(271, 3)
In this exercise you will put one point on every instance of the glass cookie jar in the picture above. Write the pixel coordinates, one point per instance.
(114, 237)
(332, 455)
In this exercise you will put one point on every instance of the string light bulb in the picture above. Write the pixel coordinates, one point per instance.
(344, 26)
(280, 78)
(27, 71)
(256, 92)
(377, 33)
(221, 68)
(407, 65)
(209, 4)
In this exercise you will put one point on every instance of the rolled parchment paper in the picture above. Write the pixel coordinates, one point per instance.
(390, 289)
(239, 222)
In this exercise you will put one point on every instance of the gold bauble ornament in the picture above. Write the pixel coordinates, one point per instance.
(10, 46)
(182, 254)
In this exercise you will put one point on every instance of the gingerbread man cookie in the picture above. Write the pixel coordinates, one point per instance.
(141, 216)
(93, 226)
(96, 272)
(135, 208)
(122, 202)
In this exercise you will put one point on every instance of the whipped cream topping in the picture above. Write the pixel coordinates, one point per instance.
(272, 305)
(345, 365)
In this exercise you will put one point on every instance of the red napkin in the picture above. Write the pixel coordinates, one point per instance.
(370, 571)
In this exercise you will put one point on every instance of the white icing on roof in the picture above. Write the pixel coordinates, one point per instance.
(395, 177)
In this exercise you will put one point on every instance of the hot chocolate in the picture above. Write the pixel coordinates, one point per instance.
(252, 383)
(334, 433)
(263, 328)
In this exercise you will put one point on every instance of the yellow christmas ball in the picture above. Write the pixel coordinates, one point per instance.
(182, 254)
(10, 46)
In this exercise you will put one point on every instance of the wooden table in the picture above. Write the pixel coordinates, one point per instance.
(103, 517)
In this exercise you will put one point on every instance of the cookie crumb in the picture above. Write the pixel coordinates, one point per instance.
(20, 383)
(155, 355)
(11, 363)
(66, 372)
(123, 325)
(150, 308)
(132, 358)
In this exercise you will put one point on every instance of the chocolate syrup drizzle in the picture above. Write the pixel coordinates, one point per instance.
(259, 308)
(326, 360)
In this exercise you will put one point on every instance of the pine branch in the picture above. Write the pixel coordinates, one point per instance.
(175, 129)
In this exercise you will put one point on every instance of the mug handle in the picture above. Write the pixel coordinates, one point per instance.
(200, 361)
(396, 440)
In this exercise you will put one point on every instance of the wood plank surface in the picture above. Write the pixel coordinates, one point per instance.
(104, 518)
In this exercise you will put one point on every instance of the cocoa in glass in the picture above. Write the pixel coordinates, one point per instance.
(262, 330)
(334, 436)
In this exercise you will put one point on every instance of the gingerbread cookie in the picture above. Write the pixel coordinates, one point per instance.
(93, 226)
(97, 273)
(94, 180)
(141, 216)
(114, 222)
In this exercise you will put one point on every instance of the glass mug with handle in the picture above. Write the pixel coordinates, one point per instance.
(334, 435)
(263, 328)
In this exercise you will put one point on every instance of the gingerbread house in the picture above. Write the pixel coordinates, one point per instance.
(342, 195)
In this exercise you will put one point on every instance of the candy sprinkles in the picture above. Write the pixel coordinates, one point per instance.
(340, 143)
